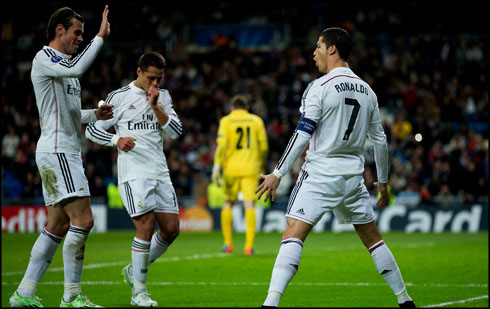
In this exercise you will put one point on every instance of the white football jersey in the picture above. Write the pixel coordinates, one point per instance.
(58, 96)
(339, 110)
(133, 117)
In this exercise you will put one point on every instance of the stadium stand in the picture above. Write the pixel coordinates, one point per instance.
(430, 74)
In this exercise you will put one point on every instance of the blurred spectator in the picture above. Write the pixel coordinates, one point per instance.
(10, 142)
(401, 129)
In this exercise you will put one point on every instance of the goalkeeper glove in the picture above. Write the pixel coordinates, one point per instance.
(217, 176)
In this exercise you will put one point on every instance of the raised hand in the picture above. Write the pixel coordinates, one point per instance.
(105, 27)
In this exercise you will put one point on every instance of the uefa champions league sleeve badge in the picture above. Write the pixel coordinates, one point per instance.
(56, 58)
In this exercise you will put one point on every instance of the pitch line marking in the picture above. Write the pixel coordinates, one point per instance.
(177, 258)
(456, 301)
(160, 260)
(360, 247)
(471, 285)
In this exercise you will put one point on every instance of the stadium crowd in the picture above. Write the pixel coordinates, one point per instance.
(431, 80)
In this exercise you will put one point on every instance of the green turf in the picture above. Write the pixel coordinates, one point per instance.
(335, 271)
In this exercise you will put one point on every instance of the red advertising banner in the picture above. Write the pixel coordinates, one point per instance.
(24, 219)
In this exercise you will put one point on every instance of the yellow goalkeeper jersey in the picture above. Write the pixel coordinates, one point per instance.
(241, 144)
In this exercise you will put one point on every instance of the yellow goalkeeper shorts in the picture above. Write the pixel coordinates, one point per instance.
(234, 185)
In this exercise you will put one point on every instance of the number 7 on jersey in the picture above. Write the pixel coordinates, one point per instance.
(353, 117)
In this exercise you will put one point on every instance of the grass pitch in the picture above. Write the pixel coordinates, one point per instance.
(440, 270)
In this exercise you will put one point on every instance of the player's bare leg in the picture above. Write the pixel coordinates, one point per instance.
(145, 225)
(79, 212)
(287, 261)
(384, 261)
(58, 220)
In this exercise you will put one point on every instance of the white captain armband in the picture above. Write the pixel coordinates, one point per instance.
(306, 125)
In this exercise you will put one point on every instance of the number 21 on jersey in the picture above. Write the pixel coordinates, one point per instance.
(241, 132)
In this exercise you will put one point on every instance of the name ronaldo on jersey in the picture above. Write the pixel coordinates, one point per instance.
(346, 86)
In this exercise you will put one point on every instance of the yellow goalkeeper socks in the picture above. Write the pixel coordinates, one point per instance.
(226, 225)
(250, 223)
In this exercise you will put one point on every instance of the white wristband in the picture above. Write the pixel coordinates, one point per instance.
(114, 140)
(277, 174)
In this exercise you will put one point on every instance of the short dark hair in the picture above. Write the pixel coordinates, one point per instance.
(151, 59)
(239, 101)
(63, 16)
(340, 38)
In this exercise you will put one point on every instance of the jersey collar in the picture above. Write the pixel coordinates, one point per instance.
(65, 56)
(339, 70)
(239, 111)
(135, 89)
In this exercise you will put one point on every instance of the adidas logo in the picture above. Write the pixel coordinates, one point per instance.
(300, 211)
(384, 272)
(132, 106)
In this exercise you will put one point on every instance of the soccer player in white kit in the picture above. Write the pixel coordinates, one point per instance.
(66, 192)
(142, 115)
(339, 110)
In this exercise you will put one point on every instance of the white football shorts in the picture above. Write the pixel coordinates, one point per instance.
(346, 196)
(140, 196)
(62, 176)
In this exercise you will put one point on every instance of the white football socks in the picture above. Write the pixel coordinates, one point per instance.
(42, 253)
(386, 265)
(158, 247)
(286, 266)
(289, 256)
(140, 251)
(403, 297)
(73, 257)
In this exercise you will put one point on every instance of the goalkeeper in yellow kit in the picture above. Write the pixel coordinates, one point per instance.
(240, 157)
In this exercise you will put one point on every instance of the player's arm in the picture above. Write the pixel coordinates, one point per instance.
(103, 112)
(97, 132)
(55, 66)
(161, 104)
(311, 105)
(220, 153)
(263, 144)
(377, 135)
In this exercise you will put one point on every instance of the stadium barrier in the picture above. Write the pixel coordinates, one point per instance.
(457, 219)
(196, 216)
(30, 219)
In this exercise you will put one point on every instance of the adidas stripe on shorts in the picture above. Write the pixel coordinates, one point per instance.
(140, 196)
(346, 196)
(62, 176)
